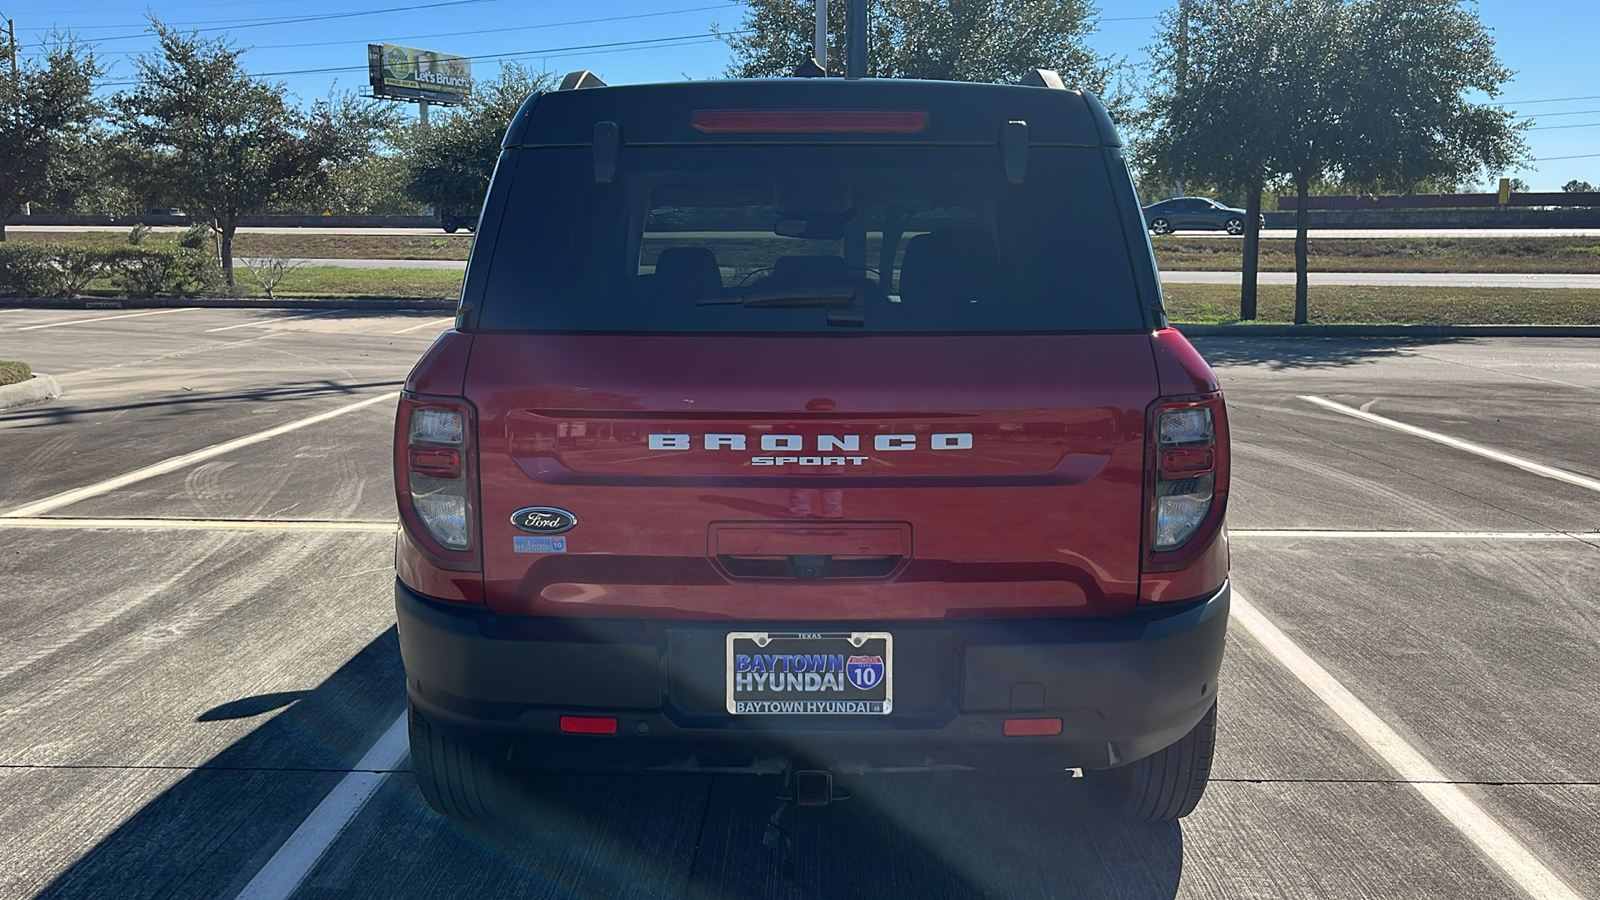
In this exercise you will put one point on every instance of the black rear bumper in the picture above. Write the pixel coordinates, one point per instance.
(1123, 688)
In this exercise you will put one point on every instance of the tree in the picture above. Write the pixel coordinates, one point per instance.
(449, 164)
(1209, 113)
(46, 109)
(1371, 92)
(952, 40)
(226, 144)
(1577, 187)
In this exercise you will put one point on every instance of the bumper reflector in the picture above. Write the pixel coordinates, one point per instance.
(588, 725)
(1024, 727)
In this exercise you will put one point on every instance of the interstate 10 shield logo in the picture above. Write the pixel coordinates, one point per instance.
(865, 672)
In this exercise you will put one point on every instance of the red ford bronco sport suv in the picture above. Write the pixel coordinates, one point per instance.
(813, 426)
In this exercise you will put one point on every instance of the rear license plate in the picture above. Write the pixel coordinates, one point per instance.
(810, 674)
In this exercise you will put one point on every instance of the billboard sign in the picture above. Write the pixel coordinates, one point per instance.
(405, 73)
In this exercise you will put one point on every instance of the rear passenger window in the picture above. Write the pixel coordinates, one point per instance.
(830, 239)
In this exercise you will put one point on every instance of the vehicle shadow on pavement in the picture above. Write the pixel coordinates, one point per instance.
(61, 412)
(699, 837)
(209, 832)
(602, 836)
(1309, 352)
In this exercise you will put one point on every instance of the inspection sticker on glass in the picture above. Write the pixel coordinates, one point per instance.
(531, 544)
(810, 674)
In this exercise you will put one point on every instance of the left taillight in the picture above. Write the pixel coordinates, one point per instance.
(433, 465)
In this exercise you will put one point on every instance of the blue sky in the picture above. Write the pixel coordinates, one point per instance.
(1549, 43)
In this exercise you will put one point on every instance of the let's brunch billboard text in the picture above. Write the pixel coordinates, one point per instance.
(406, 73)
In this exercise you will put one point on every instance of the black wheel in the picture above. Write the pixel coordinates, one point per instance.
(1169, 783)
(1234, 225)
(455, 780)
(1161, 225)
(450, 226)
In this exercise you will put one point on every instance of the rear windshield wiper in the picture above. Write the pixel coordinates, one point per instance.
(788, 298)
(840, 302)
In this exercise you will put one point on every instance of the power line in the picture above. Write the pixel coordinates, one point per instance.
(1550, 100)
(670, 12)
(638, 44)
(411, 37)
(1579, 156)
(235, 24)
(1575, 112)
(1553, 127)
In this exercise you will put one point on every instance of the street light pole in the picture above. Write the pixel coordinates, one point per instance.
(855, 29)
(819, 50)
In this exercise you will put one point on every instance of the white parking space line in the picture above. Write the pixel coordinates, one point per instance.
(1416, 535)
(1526, 465)
(1491, 838)
(262, 323)
(64, 498)
(153, 312)
(299, 854)
(200, 524)
(449, 321)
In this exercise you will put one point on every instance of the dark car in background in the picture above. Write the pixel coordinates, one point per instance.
(1189, 213)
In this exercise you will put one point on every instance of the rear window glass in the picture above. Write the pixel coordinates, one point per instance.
(809, 239)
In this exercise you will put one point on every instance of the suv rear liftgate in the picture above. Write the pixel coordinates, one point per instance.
(813, 423)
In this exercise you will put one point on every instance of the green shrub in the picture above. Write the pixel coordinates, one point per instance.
(14, 372)
(77, 266)
(195, 237)
(138, 234)
(26, 270)
(66, 270)
(154, 272)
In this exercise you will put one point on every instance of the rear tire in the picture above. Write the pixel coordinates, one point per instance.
(450, 226)
(1168, 784)
(456, 780)
(1161, 226)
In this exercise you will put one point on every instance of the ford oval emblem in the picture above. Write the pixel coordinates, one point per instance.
(544, 520)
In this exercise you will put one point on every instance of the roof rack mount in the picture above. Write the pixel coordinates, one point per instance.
(583, 78)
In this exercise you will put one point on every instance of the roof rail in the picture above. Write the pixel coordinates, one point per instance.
(583, 78)
(1045, 78)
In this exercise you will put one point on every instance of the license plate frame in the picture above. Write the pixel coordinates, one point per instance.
(847, 659)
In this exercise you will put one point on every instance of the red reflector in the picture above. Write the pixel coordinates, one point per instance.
(1022, 727)
(439, 462)
(776, 121)
(596, 724)
(1181, 462)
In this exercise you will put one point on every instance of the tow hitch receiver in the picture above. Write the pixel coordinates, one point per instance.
(803, 787)
(813, 788)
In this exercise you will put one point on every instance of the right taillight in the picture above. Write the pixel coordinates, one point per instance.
(433, 467)
(1186, 453)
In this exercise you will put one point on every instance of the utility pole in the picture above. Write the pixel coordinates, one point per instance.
(1183, 65)
(819, 47)
(11, 45)
(855, 28)
(422, 114)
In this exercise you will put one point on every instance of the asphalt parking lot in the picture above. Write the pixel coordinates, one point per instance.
(199, 675)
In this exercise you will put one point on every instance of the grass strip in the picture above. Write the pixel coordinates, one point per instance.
(332, 281)
(14, 372)
(1383, 305)
(422, 245)
(1519, 255)
(1553, 255)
